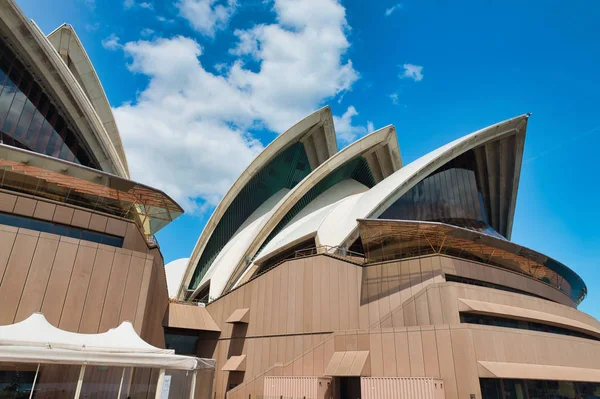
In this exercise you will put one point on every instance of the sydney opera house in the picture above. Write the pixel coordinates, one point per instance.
(322, 273)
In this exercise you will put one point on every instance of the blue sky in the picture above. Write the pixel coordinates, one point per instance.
(190, 127)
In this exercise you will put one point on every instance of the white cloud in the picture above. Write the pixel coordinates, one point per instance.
(394, 97)
(146, 32)
(411, 71)
(112, 42)
(393, 8)
(196, 123)
(346, 131)
(127, 4)
(207, 16)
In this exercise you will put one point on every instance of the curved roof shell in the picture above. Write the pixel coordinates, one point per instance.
(282, 164)
(67, 43)
(49, 68)
(340, 227)
(351, 162)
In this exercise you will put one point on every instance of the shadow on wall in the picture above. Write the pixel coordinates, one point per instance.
(406, 277)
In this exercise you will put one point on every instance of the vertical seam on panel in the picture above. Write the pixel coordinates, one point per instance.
(88, 290)
(12, 247)
(62, 308)
(125, 289)
(137, 296)
(50, 274)
(106, 291)
(26, 276)
(453, 361)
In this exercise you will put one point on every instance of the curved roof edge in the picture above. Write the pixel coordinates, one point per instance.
(373, 202)
(66, 41)
(316, 132)
(367, 145)
(47, 64)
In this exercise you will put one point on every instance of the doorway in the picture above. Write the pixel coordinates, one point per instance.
(348, 388)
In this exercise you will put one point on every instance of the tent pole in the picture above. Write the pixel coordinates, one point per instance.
(159, 384)
(34, 381)
(129, 381)
(80, 382)
(121, 384)
(193, 385)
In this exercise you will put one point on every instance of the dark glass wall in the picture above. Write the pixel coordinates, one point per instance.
(450, 195)
(492, 388)
(29, 120)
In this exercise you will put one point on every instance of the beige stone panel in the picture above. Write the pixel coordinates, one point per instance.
(24, 206)
(92, 310)
(132, 290)
(339, 342)
(384, 292)
(447, 265)
(283, 300)
(268, 305)
(317, 303)
(115, 292)
(274, 342)
(143, 298)
(334, 294)
(363, 340)
(484, 349)
(410, 313)
(448, 297)
(266, 354)
(389, 354)
(402, 354)
(446, 362)
(7, 202)
(98, 222)
(430, 353)
(398, 317)
(60, 276)
(465, 363)
(376, 353)
(116, 227)
(326, 307)
(308, 358)
(435, 305)
(297, 367)
(133, 239)
(422, 309)
(392, 271)
(261, 283)
(344, 296)
(81, 219)
(351, 341)
(289, 351)
(63, 214)
(406, 284)
(416, 279)
(37, 279)
(426, 270)
(7, 240)
(299, 305)
(415, 351)
(319, 359)
(291, 317)
(15, 274)
(353, 297)
(373, 279)
(44, 210)
(275, 301)
(363, 310)
(257, 357)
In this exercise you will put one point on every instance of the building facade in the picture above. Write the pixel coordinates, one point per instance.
(386, 280)
(322, 272)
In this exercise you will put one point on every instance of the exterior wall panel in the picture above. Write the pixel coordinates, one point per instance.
(297, 387)
(405, 388)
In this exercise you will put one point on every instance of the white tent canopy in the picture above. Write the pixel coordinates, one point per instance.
(35, 340)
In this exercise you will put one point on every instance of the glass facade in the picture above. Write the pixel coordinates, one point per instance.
(479, 283)
(60, 229)
(493, 388)
(451, 195)
(29, 119)
(183, 342)
(473, 318)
